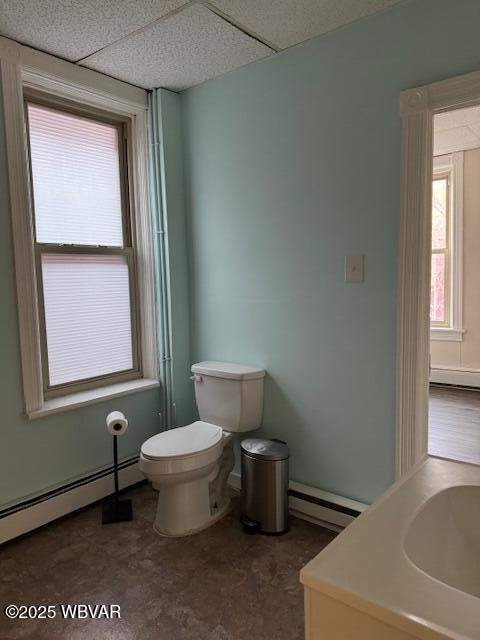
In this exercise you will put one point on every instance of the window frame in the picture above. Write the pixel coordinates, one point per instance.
(451, 167)
(54, 391)
(24, 69)
(127, 249)
(446, 252)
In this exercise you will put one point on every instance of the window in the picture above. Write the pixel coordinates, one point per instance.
(83, 248)
(446, 268)
(440, 289)
(82, 234)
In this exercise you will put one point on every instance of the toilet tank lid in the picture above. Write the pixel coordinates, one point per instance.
(228, 370)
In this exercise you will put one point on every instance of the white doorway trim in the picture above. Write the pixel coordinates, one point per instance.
(417, 107)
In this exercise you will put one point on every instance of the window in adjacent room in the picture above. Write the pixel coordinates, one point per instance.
(446, 268)
(84, 247)
(441, 285)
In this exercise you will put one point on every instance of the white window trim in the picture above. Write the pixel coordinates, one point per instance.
(22, 67)
(91, 396)
(453, 164)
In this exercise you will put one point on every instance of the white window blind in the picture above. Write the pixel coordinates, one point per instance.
(86, 287)
(87, 315)
(76, 178)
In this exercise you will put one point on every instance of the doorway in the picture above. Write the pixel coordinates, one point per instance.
(454, 398)
(427, 305)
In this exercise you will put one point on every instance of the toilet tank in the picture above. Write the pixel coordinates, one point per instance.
(229, 395)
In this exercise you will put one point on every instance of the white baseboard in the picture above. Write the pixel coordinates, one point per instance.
(456, 376)
(314, 505)
(63, 503)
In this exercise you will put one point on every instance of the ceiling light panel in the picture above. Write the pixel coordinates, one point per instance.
(285, 23)
(73, 29)
(181, 51)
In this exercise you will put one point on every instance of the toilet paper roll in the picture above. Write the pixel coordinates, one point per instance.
(116, 423)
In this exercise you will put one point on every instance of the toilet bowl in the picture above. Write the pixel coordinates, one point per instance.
(189, 466)
(182, 464)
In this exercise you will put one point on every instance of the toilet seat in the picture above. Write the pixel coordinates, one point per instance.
(182, 442)
(181, 451)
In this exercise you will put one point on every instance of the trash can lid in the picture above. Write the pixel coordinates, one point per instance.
(264, 449)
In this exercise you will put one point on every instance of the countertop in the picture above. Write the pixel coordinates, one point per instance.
(366, 566)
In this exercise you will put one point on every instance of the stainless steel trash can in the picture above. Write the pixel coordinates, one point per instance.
(265, 486)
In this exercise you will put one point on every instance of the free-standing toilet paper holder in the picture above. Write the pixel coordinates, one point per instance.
(116, 510)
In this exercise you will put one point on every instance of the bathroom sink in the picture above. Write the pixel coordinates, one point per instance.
(443, 539)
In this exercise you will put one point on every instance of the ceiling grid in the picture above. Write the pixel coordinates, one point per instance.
(175, 44)
(456, 130)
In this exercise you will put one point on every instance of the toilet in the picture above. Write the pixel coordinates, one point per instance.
(189, 466)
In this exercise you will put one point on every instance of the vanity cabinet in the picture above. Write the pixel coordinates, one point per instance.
(404, 569)
(330, 619)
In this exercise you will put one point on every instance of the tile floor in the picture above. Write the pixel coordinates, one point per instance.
(217, 585)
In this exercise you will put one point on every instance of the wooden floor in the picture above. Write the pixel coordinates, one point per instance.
(454, 423)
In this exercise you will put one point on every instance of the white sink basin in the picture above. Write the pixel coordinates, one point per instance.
(443, 539)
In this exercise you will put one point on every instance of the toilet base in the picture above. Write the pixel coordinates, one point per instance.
(191, 500)
(220, 513)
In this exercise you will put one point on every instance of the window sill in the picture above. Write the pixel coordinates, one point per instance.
(446, 334)
(84, 398)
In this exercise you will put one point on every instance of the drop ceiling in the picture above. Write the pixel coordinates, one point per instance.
(457, 130)
(174, 44)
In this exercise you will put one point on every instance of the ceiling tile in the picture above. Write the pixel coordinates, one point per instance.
(476, 129)
(456, 130)
(457, 139)
(457, 118)
(285, 23)
(179, 52)
(74, 29)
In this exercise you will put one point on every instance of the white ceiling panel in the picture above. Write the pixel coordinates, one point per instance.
(285, 22)
(476, 129)
(181, 51)
(456, 130)
(74, 29)
(450, 140)
(457, 118)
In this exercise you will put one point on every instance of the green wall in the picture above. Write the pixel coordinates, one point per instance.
(38, 454)
(293, 163)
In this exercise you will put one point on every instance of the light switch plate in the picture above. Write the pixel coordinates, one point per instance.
(354, 268)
